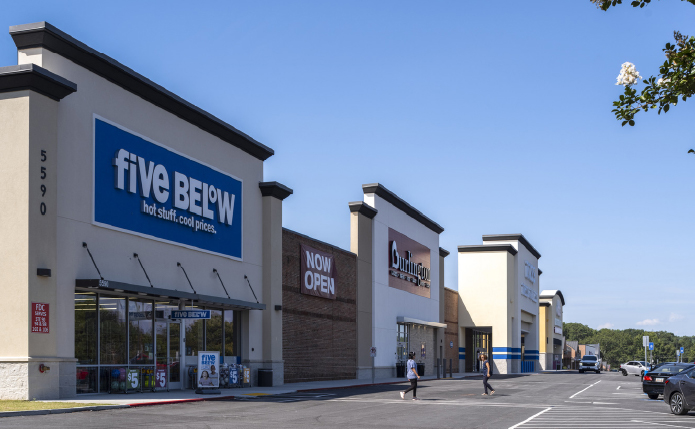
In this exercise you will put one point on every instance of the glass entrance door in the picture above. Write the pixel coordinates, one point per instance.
(168, 351)
(174, 356)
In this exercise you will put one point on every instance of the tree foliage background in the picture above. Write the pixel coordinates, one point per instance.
(622, 345)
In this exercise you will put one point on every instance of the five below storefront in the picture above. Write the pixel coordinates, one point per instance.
(130, 204)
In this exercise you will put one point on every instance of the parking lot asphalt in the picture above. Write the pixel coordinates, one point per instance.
(562, 400)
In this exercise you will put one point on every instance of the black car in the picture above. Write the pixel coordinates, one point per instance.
(654, 380)
(679, 391)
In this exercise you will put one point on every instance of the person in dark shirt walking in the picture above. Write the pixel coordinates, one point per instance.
(487, 373)
(412, 376)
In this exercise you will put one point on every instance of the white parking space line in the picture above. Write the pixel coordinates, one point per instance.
(584, 389)
(663, 424)
(530, 418)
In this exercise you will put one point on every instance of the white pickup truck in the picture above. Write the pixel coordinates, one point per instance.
(590, 363)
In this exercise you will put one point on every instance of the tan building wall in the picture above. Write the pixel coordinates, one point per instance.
(551, 342)
(483, 278)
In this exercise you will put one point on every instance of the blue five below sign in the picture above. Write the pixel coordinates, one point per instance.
(191, 314)
(147, 189)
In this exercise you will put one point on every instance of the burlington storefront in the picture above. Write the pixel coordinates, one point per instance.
(498, 312)
(143, 233)
(400, 289)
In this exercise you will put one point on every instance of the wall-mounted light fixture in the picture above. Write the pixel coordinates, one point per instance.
(43, 272)
(43, 368)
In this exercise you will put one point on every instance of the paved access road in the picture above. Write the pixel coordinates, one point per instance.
(568, 400)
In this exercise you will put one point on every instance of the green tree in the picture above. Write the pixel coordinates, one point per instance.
(622, 345)
(675, 81)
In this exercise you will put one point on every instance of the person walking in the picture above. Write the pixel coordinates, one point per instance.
(412, 375)
(487, 373)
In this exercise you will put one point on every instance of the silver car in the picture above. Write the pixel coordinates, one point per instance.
(634, 367)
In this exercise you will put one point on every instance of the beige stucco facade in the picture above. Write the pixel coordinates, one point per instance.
(498, 311)
(550, 330)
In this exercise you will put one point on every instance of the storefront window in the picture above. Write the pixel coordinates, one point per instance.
(86, 328)
(195, 334)
(213, 332)
(141, 332)
(402, 345)
(86, 378)
(113, 330)
(230, 334)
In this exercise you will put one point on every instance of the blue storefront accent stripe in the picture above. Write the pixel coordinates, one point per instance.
(527, 366)
(504, 350)
(501, 356)
(462, 349)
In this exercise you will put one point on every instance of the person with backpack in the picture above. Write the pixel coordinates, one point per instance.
(487, 373)
(412, 375)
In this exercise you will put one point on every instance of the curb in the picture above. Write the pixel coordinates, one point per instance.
(60, 410)
(179, 401)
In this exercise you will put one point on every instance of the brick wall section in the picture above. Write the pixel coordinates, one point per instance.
(319, 335)
(451, 318)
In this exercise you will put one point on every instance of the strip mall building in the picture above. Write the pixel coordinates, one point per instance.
(129, 203)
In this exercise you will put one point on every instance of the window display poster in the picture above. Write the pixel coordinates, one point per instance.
(208, 366)
(161, 378)
(133, 382)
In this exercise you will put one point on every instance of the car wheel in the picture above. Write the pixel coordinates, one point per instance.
(677, 404)
(598, 372)
(624, 373)
(653, 396)
(581, 372)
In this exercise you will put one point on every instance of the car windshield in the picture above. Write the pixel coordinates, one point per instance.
(673, 369)
(590, 358)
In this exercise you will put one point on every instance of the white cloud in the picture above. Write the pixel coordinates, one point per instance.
(606, 326)
(648, 322)
(674, 317)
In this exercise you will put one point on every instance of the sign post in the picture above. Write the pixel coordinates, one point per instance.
(682, 351)
(372, 352)
(678, 355)
(651, 348)
(645, 343)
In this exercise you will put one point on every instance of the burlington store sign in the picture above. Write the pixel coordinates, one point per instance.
(409, 265)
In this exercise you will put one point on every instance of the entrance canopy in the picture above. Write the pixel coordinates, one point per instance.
(131, 289)
(410, 320)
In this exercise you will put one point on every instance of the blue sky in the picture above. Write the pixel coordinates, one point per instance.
(489, 117)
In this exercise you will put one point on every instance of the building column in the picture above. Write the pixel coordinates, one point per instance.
(441, 332)
(29, 101)
(273, 195)
(361, 240)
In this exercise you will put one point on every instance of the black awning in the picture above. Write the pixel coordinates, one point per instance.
(155, 292)
(557, 342)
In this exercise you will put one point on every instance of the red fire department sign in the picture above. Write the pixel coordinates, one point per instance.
(39, 317)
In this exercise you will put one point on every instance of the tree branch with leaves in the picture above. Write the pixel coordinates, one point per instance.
(676, 79)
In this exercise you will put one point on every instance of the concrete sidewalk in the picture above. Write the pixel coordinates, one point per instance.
(174, 396)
